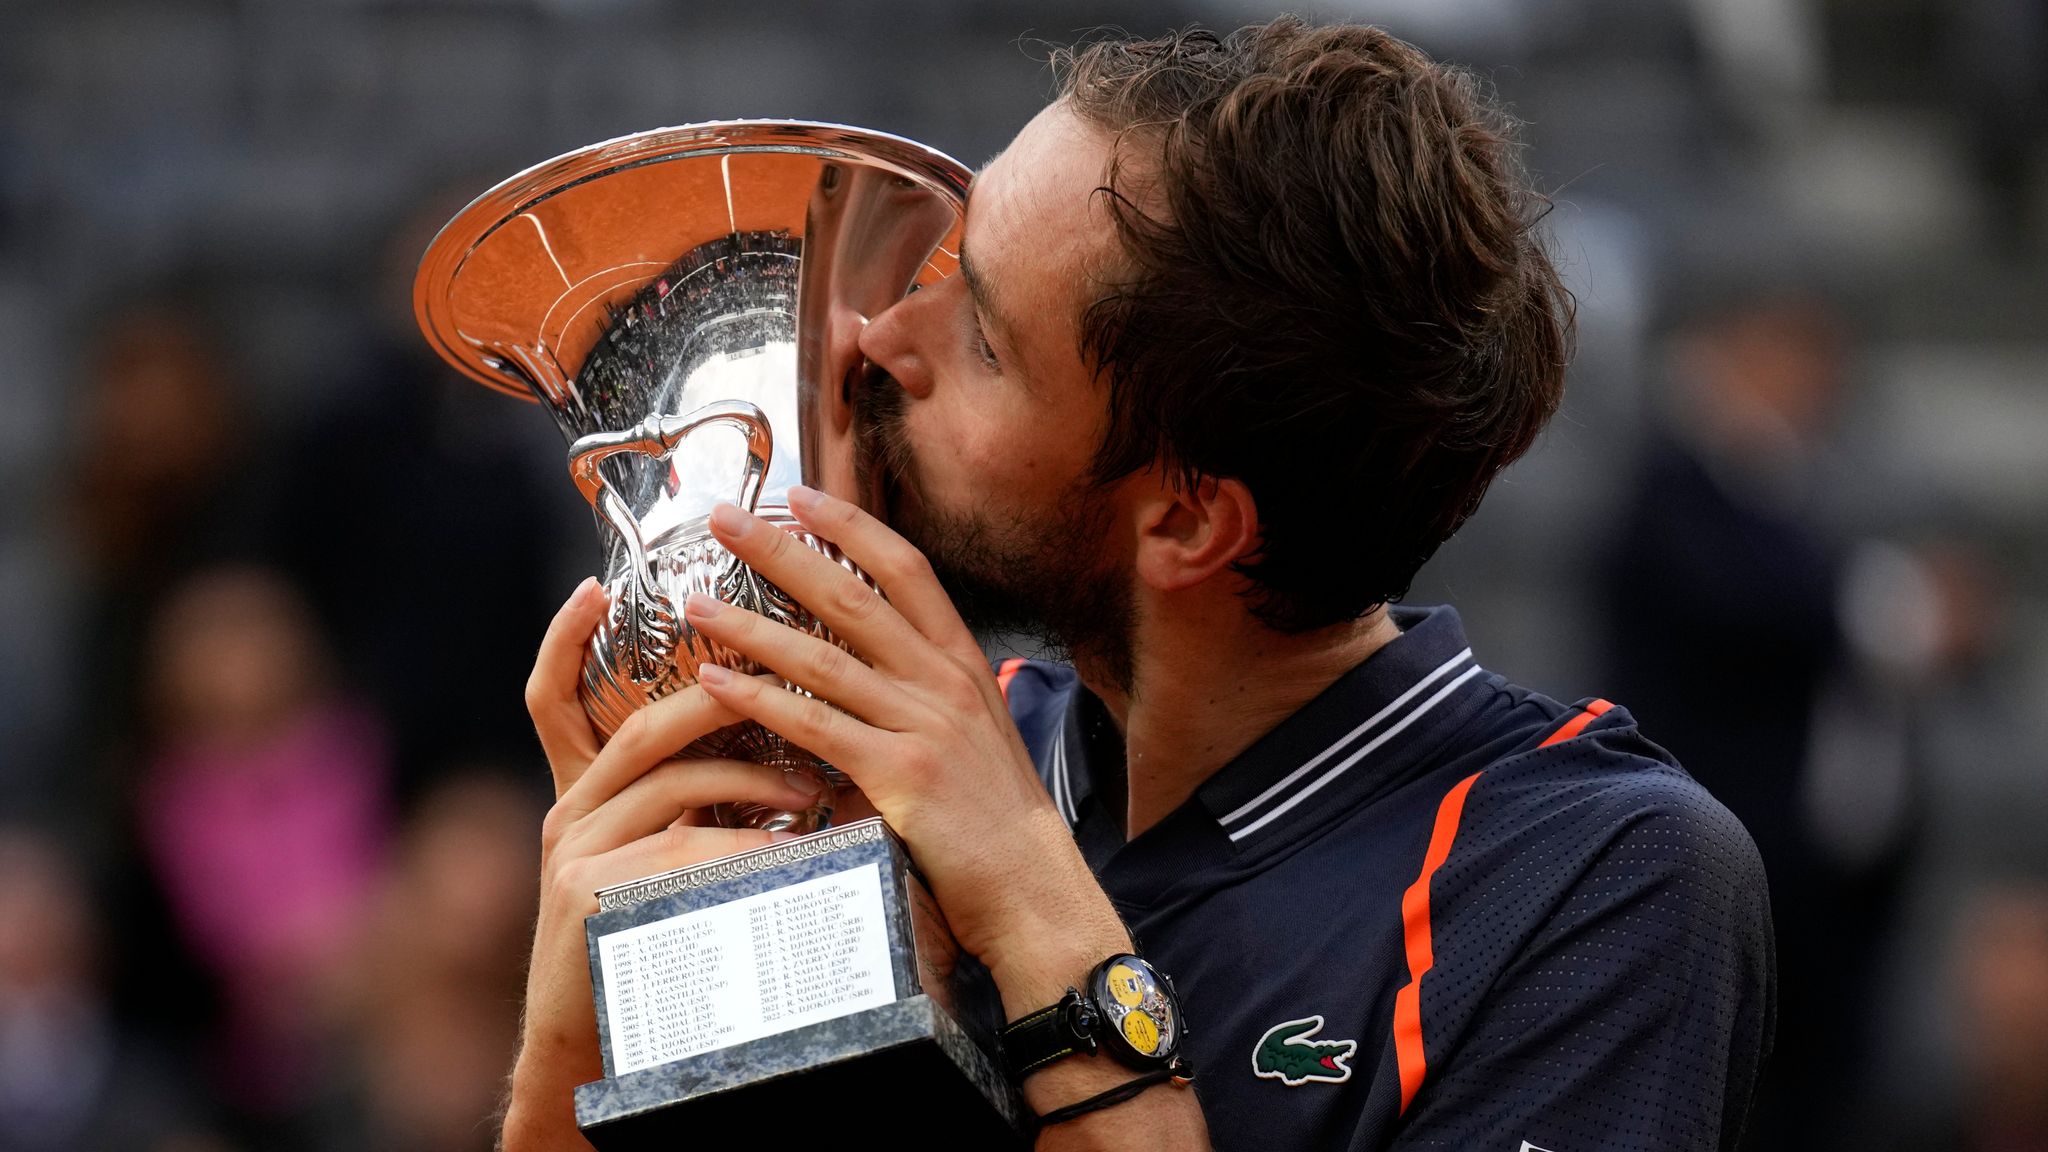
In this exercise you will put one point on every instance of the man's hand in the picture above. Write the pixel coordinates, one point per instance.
(922, 728)
(620, 813)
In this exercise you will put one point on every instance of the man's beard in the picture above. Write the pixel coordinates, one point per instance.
(1044, 574)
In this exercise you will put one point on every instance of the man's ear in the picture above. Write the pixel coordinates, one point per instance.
(1189, 532)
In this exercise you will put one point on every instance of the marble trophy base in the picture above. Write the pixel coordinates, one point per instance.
(792, 991)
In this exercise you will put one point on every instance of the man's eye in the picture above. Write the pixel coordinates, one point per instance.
(985, 350)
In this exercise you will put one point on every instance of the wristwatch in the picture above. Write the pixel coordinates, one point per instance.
(1129, 1010)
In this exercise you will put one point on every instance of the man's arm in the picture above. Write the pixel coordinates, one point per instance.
(925, 734)
(920, 725)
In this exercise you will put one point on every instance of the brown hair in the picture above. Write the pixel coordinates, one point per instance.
(1333, 294)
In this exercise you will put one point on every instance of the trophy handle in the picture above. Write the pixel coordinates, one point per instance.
(659, 436)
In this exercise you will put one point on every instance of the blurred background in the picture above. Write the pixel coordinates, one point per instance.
(271, 578)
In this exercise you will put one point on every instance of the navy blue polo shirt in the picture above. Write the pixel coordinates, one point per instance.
(1435, 910)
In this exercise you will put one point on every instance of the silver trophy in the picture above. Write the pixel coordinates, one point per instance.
(685, 303)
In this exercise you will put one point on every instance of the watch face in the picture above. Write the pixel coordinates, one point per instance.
(1138, 1008)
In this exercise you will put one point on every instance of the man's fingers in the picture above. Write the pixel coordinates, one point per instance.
(902, 571)
(658, 798)
(574, 886)
(808, 723)
(869, 623)
(652, 734)
(816, 665)
(854, 611)
(558, 716)
(670, 848)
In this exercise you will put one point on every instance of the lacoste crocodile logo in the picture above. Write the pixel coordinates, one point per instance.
(1289, 1053)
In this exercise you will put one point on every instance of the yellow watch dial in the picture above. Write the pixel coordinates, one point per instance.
(1142, 1031)
(1126, 986)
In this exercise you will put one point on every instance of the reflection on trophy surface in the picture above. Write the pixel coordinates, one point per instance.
(685, 303)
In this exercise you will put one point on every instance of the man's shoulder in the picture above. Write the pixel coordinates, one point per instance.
(1597, 909)
(1537, 767)
(1025, 681)
(1574, 782)
(1038, 693)
(1597, 766)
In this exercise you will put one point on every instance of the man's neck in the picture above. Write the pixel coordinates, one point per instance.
(1204, 689)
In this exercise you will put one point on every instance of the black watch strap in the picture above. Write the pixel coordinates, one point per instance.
(1033, 1041)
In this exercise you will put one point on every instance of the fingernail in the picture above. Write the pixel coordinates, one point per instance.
(804, 782)
(803, 499)
(713, 675)
(703, 606)
(589, 591)
(728, 519)
(779, 837)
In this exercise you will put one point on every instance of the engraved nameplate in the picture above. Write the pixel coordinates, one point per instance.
(745, 969)
(695, 876)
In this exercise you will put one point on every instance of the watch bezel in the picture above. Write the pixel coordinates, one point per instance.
(1109, 1035)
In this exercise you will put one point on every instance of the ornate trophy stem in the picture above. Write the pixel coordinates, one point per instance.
(646, 614)
(653, 618)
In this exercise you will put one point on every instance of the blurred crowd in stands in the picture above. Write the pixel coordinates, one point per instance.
(271, 577)
(274, 884)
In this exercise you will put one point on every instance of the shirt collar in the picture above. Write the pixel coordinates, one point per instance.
(1362, 719)
(1346, 744)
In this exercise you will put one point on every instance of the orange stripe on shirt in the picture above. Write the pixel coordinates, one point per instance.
(1006, 672)
(1577, 724)
(1408, 1054)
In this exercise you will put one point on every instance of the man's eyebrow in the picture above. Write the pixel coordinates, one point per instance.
(977, 287)
(983, 293)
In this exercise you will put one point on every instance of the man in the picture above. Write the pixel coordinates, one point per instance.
(1244, 328)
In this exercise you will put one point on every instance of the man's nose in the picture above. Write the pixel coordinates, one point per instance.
(891, 339)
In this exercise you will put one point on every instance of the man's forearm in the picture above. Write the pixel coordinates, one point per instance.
(540, 1109)
(539, 1130)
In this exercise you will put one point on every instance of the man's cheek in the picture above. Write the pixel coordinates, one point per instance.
(991, 453)
(947, 454)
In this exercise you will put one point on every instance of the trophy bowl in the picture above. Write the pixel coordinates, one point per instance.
(686, 303)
